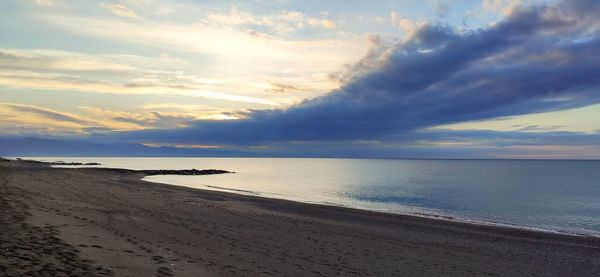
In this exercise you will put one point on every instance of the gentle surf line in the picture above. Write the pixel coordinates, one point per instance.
(416, 214)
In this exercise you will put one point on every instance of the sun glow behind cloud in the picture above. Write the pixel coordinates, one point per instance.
(242, 53)
(249, 58)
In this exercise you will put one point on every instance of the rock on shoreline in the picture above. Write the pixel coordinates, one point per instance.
(184, 172)
(54, 163)
(163, 171)
(146, 172)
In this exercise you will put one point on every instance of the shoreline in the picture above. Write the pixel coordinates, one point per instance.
(440, 217)
(425, 214)
(431, 219)
(114, 222)
(432, 216)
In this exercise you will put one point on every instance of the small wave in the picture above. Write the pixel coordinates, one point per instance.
(411, 200)
(509, 225)
(231, 189)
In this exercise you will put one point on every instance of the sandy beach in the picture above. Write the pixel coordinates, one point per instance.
(99, 222)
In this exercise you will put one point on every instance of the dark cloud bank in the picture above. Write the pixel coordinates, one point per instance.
(540, 58)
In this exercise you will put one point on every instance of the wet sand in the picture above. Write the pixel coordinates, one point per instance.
(98, 222)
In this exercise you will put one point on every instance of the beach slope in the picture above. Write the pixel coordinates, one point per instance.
(61, 222)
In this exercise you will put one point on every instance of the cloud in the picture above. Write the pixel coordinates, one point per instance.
(120, 10)
(405, 24)
(503, 7)
(19, 117)
(440, 8)
(284, 88)
(60, 70)
(508, 144)
(582, 119)
(212, 49)
(46, 113)
(279, 23)
(224, 39)
(156, 120)
(153, 116)
(46, 3)
(539, 58)
(488, 138)
(539, 128)
(377, 55)
(13, 59)
(324, 23)
(27, 120)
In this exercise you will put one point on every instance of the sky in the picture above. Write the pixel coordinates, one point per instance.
(403, 78)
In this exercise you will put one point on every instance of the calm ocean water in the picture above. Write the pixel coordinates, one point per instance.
(550, 195)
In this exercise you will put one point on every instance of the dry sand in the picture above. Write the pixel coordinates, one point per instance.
(62, 222)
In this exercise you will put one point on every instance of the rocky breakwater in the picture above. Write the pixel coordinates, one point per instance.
(183, 172)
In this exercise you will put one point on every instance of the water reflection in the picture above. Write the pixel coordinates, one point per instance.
(562, 195)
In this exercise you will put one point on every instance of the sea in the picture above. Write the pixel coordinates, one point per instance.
(560, 196)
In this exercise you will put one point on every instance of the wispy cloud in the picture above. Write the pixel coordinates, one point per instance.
(57, 60)
(120, 10)
(93, 119)
(407, 25)
(279, 23)
(59, 70)
(23, 119)
(206, 38)
(299, 60)
(47, 3)
(503, 7)
(247, 71)
(574, 120)
(46, 113)
(142, 120)
(324, 23)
